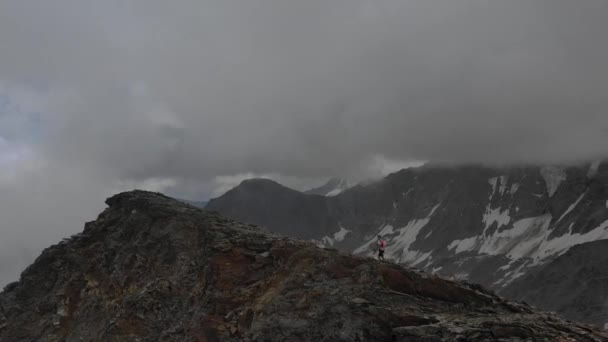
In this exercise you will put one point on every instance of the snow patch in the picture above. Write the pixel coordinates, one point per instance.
(399, 247)
(553, 177)
(514, 188)
(463, 245)
(500, 184)
(497, 215)
(493, 181)
(561, 244)
(515, 275)
(503, 184)
(572, 206)
(334, 192)
(327, 241)
(386, 230)
(338, 188)
(516, 242)
(510, 276)
(433, 210)
(338, 236)
(502, 218)
(341, 234)
(507, 266)
(529, 240)
(529, 237)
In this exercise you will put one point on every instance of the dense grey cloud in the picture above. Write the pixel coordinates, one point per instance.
(187, 96)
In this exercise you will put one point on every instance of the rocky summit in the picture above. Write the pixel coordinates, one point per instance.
(151, 268)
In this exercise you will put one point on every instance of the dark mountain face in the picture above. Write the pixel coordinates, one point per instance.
(154, 269)
(485, 225)
(267, 203)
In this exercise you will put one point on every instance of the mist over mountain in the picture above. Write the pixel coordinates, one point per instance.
(333, 187)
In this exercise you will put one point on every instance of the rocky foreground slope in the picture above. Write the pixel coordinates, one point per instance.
(154, 269)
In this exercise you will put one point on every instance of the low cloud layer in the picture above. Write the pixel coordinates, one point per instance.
(186, 96)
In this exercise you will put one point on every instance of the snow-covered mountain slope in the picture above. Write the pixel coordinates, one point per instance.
(490, 226)
(333, 187)
(574, 284)
(493, 232)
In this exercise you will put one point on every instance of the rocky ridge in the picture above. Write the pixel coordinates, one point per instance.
(487, 225)
(151, 268)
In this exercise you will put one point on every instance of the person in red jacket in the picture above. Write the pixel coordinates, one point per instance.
(381, 246)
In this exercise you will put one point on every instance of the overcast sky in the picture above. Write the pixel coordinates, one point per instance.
(190, 97)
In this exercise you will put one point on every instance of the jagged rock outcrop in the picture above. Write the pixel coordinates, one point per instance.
(486, 225)
(154, 269)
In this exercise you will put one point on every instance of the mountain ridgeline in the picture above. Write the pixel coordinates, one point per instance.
(498, 227)
(151, 268)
